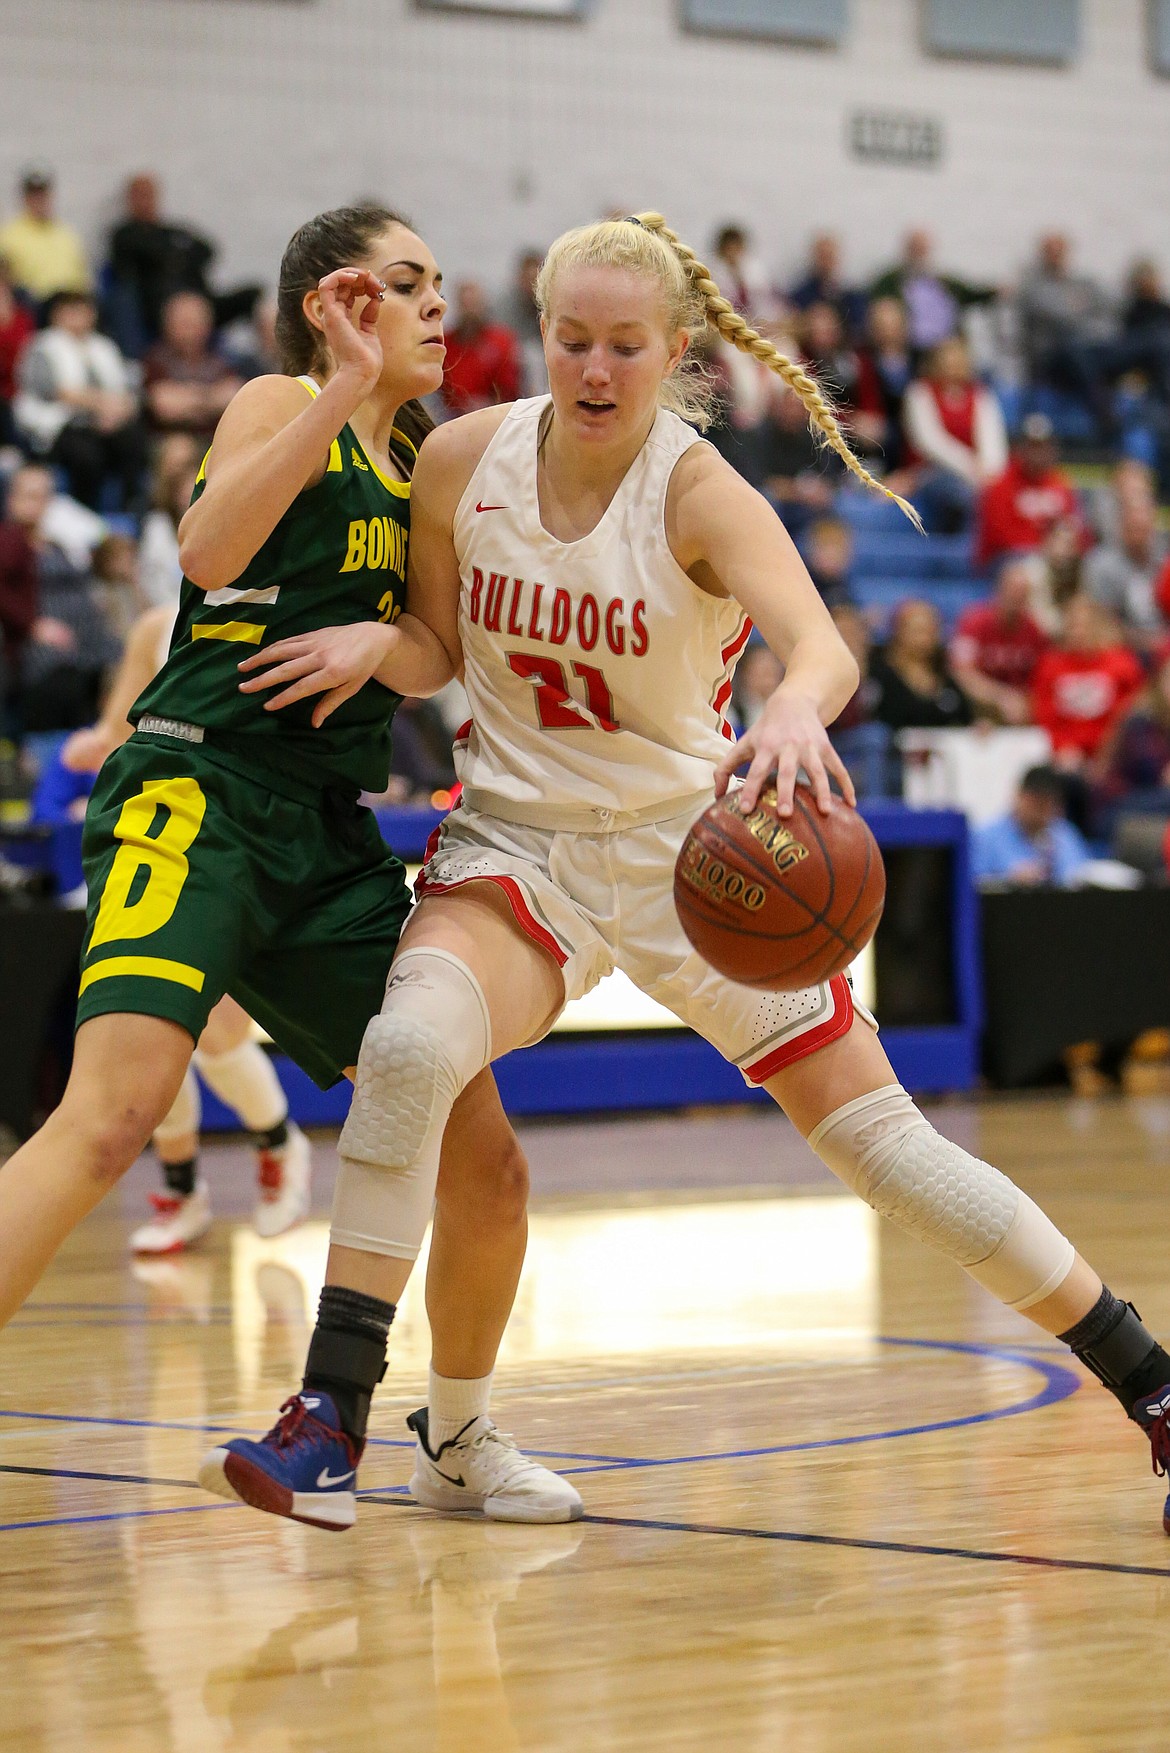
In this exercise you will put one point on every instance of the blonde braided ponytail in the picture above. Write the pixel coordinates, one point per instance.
(723, 316)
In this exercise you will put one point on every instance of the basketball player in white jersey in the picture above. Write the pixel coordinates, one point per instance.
(228, 1060)
(591, 564)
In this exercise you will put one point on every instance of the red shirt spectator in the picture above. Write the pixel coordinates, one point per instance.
(1018, 511)
(1005, 648)
(16, 328)
(1082, 688)
(484, 363)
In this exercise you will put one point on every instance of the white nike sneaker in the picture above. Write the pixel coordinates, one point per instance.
(482, 1469)
(178, 1221)
(283, 1177)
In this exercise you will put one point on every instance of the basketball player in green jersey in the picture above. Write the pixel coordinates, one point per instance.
(225, 850)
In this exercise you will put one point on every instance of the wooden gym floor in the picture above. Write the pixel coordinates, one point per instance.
(838, 1499)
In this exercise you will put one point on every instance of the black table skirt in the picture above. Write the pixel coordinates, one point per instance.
(1062, 966)
(39, 950)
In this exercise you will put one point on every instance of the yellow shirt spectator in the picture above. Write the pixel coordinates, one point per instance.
(45, 256)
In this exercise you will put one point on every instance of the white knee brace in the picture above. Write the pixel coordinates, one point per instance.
(245, 1080)
(186, 1111)
(432, 1037)
(889, 1153)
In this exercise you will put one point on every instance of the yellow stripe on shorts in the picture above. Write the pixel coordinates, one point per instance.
(246, 632)
(146, 968)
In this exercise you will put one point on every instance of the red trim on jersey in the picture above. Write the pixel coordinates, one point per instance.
(812, 1040)
(525, 918)
(722, 697)
(738, 643)
(464, 731)
(727, 731)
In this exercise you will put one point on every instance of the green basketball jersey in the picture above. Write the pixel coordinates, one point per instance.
(338, 555)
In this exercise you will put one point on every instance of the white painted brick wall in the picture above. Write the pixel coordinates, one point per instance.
(495, 133)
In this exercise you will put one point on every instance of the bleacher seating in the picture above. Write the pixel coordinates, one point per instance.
(892, 562)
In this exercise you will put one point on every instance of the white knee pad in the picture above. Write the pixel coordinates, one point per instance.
(887, 1151)
(186, 1112)
(245, 1080)
(432, 1037)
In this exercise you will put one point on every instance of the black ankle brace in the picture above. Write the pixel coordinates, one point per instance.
(347, 1353)
(1112, 1342)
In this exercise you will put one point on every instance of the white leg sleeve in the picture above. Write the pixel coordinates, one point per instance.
(245, 1080)
(185, 1113)
(889, 1153)
(432, 1037)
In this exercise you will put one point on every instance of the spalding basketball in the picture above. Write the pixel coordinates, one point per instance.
(779, 901)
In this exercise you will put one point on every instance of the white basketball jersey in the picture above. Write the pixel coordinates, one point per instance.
(598, 674)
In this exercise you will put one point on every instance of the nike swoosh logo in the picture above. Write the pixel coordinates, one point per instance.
(448, 1477)
(325, 1478)
(491, 508)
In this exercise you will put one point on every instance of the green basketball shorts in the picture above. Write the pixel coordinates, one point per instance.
(203, 880)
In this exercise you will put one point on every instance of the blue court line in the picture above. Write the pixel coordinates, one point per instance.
(856, 1543)
(1059, 1383)
(182, 1509)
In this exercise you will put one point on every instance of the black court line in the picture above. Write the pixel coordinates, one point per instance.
(109, 1478)
(910, 1547)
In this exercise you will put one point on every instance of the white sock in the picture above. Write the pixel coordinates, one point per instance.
(452, 1402)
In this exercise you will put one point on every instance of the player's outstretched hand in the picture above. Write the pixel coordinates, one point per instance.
(333, 661)
(85, 750)
(786, 737)
(350, 301)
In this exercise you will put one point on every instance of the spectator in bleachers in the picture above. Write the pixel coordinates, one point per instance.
(176, 465)
(884, 370)
(188, 378)
(523, 318)
(43, 254)
(862, 742)
(115, 577)
(1131, 482)
(483, 356)
(65, 646)
(822, 283)
(828, 555)
(955, 430)
(28, 494)
(256, 353)
(17, 327)
(828, 355)
(1064, 317)
(911, 681)
(1018, 510)
(76, 405)
(1135, 759)
(1122, 574)
(1145, 328)
(1034, 843)
(997, 646)
(742, 276)
(757, 676)
(152, 258)
(1085, 684)
(787, 464)
(933, 301)
(1060, 567)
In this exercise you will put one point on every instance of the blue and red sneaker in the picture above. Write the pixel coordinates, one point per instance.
(305, 1468)
(1152, 1412)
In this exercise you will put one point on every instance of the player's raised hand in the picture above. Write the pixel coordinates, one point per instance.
(787, 737)
(333, 661)
(350, 301)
